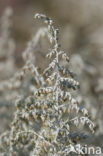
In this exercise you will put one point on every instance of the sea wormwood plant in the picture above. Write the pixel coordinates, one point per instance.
(45, 121)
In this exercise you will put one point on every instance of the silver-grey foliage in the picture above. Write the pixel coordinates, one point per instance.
(46, 121)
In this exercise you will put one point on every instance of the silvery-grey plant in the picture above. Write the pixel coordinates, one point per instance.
(46, 121)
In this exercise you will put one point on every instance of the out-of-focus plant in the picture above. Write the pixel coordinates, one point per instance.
(7, 65)
(7, 48)
(21, 80)
(7, 45)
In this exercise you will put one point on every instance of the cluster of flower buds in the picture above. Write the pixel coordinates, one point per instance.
(44, 91)
(69, 83)
(84, 111)
(65, 71)
(53, 64)
(67, 96)
(83, 121)
(51, 53)
(49, 69)
(86, 120)
(64, 56)
(52, 32)
(78, 136)
(52, 78)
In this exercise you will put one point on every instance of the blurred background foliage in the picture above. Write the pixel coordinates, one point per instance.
(81, 35)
